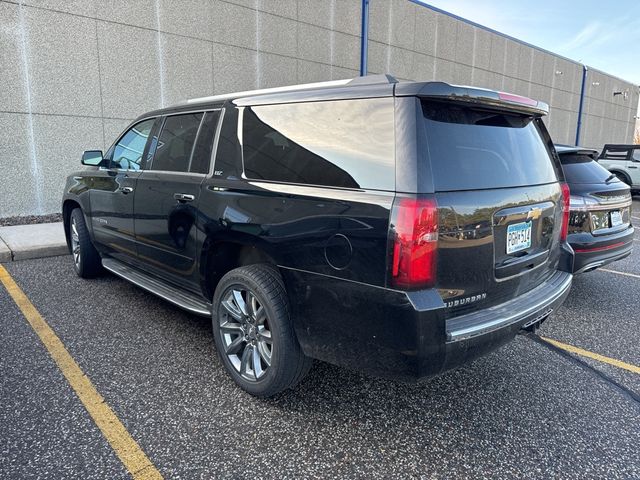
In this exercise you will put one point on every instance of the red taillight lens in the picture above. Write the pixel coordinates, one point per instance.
(566, 202)
(415, 242)
(510, 97)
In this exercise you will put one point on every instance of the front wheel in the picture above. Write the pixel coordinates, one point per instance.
(253, 332)
(86, 260)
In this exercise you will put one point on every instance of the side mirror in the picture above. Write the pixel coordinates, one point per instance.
(93, 158)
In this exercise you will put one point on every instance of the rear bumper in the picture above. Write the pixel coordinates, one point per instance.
(405, 335)
(592, 252)
(470, 336)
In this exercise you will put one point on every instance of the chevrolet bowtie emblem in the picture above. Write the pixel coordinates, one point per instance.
(534, 214)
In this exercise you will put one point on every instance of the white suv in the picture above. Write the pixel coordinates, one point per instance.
(624, 162)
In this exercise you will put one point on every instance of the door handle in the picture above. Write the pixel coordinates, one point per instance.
(184, 197)
(126, 190)
(632, 166)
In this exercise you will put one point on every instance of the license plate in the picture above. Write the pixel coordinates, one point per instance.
(616, 218)
(518, 237)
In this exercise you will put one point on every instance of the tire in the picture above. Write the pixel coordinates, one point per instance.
(253, 333)
(623, 178)
(86, 259)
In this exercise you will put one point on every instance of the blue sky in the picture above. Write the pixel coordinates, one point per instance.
(601, 34)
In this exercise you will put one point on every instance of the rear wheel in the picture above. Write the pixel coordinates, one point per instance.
(253, 332)
(86, 260)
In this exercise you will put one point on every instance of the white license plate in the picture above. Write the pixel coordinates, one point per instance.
(518, 237)
(616, 218)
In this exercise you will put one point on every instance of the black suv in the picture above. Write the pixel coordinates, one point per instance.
(600, 230)
(399, 229)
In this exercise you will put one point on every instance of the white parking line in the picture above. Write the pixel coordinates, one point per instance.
(620, 273)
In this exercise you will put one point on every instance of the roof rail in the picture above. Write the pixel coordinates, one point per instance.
(366, 80)
(373, 79)
(288, 88)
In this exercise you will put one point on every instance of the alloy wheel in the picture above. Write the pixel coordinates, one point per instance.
(245, 333)
(75, 243)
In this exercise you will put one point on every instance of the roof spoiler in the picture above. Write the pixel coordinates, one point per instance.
(474, 95)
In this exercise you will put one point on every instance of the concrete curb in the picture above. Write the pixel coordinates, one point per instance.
(40, 240)
(5, 252)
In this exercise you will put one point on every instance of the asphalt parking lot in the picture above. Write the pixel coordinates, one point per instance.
(528, 410)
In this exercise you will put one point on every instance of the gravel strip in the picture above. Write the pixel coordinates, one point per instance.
(30, 219)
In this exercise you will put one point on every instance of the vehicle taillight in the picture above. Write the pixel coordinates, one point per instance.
(415, 242)
(510, 97)
(566, 204)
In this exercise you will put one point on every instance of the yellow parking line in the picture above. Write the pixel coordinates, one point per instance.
(619, 273)
(129, 452)
(595, 356)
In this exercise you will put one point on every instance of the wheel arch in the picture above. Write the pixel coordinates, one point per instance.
(67, 207)
(220, 256)
(621, 173)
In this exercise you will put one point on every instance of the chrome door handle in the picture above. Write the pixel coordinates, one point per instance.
(126, 190)
(184, 197)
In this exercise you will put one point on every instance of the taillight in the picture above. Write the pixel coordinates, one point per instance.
(566, 204)
(415, 242)
(510, 97)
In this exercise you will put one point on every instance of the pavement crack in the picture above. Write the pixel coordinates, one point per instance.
(626, 392)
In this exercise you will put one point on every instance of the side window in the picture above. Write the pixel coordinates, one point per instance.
(175, 143)
(344, 143)
(228, 155)
(616, 154)
(127, 153)
(636, 155)
(201, 160)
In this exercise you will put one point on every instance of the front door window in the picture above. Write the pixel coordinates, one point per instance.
(127, 153)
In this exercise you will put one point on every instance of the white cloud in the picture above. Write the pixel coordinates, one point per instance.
(588, 34)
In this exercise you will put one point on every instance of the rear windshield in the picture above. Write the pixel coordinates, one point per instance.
(582, 168)
(472, 149)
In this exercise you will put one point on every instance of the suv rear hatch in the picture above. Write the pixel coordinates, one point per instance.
(495, 179)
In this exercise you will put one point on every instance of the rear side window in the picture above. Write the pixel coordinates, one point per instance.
(345, 143)
(201, 159)
(473, 149)
(616, 154)
(175, 143)
(229, 155)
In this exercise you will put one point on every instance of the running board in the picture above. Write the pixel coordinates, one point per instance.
(177, 296)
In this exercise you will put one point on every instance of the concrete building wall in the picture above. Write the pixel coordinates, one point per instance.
(417, 42)
(74, 73)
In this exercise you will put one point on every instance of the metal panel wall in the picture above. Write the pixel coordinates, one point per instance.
(417, 42)
(75, 73)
